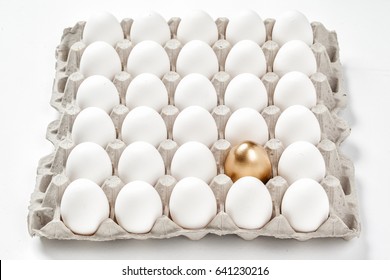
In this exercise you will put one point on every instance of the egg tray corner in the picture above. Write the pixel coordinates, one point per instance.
(44, 217)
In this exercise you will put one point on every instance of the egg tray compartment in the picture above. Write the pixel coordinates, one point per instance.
(44, 216)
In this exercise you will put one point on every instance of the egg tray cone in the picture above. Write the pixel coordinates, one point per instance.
(44, 217)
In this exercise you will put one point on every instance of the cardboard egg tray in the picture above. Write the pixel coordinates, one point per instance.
(44, 217)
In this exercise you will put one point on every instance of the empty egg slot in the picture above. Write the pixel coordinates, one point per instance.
(44, 182)
(62, 52)
(42, 218)
(332, 53)
(346, 184)
(334, 83)
(61, 83)
(351, 222)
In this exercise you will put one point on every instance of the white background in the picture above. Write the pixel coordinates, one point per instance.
(29, 34)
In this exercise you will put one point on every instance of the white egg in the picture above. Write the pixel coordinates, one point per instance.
(102, 26)
(90, 161)
(195, 123)
(147, 90)
(144, 124)
(192, 204)
(246, 25)
(249, 203)
(246, 90)
(137, 207)
(301, 160)
(100, 58)
(195, 89)
(292, 25)
(246, 124)
(148, 57)
(197, 25)
(297, 123)
(141, 161)
(295, 88)
(150, 26)
(97, 91)
(197, 57)
(84, 206)
(194, 159)
(295, 55)
(305, 205)
(93, 125)
(246, 57)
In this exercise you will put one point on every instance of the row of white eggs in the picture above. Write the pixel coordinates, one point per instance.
(142, 161)
(99, 58)
(198, 25)
(244, 90)
(192, 205)
(197, 56)
(195, 123)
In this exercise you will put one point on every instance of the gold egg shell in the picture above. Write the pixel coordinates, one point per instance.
(248, 159)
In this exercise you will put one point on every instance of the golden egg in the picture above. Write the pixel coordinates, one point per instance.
(248, 159)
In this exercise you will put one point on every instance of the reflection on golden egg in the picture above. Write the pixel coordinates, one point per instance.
(248, 159)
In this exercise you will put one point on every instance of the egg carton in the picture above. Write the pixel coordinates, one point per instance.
(44, 217)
